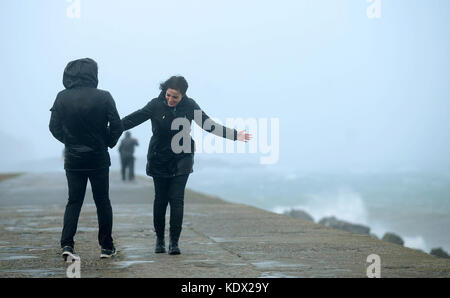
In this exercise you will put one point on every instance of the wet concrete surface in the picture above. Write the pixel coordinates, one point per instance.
(219, 239)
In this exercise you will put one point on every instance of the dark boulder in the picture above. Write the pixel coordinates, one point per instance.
(335, 223)
(393, 238)
(440, 253)
(297, 213)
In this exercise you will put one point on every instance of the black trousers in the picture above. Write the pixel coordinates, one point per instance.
(169, 191)
(127, 162)
(77, 182)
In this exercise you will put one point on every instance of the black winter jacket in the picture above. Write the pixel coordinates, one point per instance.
(80, 117)
(162, 161)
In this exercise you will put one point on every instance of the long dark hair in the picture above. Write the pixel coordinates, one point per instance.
(175, 82)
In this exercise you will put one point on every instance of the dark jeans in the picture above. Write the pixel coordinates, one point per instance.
(77, 182)
(169, 191)
(127, 162)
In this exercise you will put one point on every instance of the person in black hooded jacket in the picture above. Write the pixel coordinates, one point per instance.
(86, 121)
(170, 156)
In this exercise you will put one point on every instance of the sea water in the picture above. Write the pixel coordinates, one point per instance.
(414, 205)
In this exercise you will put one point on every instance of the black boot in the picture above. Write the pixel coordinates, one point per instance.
(173, 247)
(160, 245)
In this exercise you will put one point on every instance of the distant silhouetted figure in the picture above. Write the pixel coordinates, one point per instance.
(86, 121)
(126, 150)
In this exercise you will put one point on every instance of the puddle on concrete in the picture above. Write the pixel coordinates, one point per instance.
(28, 229)
(220, 240)
(133, 248)
(32, 224)
(211, 263)
(121, 213)
(85, 229)
(16, 257)
(132, 213)
(195, 214)
(9, 221)
(41, 249)
(339, 270)
(198, 261)
(15, 248)
(125, 264)
(134, 256)
(276, 275)
(125, 226)
(52, 217)
(208, 264)
(275, 264)
(253, 253)
(25, 210)
(36, 273)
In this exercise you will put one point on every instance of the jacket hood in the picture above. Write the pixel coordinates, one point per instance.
(81, 73)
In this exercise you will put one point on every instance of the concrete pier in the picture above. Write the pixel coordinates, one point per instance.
(219, 239)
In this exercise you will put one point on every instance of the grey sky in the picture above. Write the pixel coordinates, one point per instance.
(350, 92)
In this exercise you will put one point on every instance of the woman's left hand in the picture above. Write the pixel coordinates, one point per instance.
(244, 137)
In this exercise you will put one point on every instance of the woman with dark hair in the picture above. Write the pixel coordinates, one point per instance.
(170, 162)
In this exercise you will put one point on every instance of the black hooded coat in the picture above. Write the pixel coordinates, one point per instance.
(84, 118)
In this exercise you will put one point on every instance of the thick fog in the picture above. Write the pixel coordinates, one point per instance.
(351, 90)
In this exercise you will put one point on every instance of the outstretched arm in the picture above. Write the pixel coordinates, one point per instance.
(209, 125)
(217, 129)
(138, 117)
